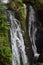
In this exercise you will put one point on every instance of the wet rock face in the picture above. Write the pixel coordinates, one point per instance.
(39, 35)
(40, 15)
(36, 32)
(39, 44)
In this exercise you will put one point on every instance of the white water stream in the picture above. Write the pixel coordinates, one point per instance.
(33, 30)
(17, 41)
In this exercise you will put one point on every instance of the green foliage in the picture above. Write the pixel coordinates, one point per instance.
(18, 1)
(39, 63)
(21, 13)
(27, 64)
(4, 24)
(41, 1)
(5, 47)
(5, 52)
(2, 7)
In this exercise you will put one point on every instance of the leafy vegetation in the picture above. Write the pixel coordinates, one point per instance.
(5, 47)
(27, 64)
(2, 7)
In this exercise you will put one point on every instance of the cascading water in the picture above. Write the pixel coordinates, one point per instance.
(33, 30)
(17, 41)
(5, 1)
(18, 47)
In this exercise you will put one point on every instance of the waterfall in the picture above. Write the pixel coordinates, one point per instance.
(17, 41)
(5, 1)
(32, 30)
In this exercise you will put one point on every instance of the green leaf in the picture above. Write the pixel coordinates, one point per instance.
(2, 7)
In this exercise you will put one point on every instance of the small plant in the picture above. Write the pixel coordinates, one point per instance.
(27, 64)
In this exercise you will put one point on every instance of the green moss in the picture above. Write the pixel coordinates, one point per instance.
(27, 64)
(5, 45)
(40, 63)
